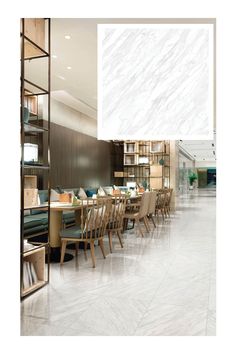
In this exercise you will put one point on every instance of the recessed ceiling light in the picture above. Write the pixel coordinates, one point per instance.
(54, 56)
(69, 67)
(67, 36)
(61, 77)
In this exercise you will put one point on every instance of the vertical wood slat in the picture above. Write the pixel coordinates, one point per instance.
(78, 159)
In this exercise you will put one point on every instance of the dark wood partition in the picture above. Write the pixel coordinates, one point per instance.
(79, 160)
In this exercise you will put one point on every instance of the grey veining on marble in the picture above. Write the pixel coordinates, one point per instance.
(155, 81)
(159, 285)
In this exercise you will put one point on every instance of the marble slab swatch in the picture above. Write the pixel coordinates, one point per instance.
(155, 81)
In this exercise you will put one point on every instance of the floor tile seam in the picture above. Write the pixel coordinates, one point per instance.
(161, 283)
(208, 302)
(73, 328)
(148, 306)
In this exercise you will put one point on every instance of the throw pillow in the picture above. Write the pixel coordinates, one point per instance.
(82, 194)
(101, 192)
(54, 196)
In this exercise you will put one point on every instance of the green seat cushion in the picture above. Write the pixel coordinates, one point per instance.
(76, 232)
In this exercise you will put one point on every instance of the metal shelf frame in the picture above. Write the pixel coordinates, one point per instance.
(27, 128)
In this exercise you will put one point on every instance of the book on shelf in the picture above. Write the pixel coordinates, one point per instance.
(29, 275)
(33, 273)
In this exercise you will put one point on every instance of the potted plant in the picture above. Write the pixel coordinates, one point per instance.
(192, 178)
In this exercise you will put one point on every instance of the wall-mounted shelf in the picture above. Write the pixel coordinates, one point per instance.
(33, 128)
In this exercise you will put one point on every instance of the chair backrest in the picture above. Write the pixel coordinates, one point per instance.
(117, 212)
(161, 199)
(152, 202)
(168, 196)
(94, 216)
(143, 210)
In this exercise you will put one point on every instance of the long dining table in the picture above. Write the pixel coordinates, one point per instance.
(56, 224)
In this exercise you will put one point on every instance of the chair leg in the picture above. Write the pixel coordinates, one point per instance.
(110, 240)
(76, 248)
(119, 237)
(163, 214)
(125, 224)
(85, 250)
(146, 223)
(151, 216)
(63, 250)
(157, 214)
(92, 253)
(102, 247)
(139, 227)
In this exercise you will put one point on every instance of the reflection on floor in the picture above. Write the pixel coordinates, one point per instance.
(159, 285)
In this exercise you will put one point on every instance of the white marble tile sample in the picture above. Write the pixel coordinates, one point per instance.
(155, 81)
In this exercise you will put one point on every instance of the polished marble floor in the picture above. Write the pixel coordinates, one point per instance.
(159, 285)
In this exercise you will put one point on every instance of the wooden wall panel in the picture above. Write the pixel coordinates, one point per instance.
(79, 160)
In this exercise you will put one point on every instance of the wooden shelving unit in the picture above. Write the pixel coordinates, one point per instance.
(35, 133)
(147, 163)
(37, 258)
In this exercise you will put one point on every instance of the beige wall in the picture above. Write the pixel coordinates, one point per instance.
(174, 173)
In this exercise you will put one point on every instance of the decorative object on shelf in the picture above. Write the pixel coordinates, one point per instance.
(30, 197)
(143, 160)
(30, 152)
(161, 162)
(119, 174)
(144, 183)
(30, 181)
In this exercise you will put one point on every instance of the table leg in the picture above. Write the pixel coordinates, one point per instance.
(55, 241)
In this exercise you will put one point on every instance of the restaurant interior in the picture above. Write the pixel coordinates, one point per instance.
(114, 235)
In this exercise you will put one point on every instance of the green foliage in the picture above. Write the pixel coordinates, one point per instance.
(192, 177)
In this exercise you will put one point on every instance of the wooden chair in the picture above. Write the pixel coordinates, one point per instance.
(152, 206)
(115, 223)
(160, 204)
(168, 201)
(94, 219)
(140, 213)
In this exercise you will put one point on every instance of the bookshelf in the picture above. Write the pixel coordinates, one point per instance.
(35, 150)
(147, 163)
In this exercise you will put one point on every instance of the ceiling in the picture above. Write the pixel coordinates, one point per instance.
(200, 150)
(79, 53)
